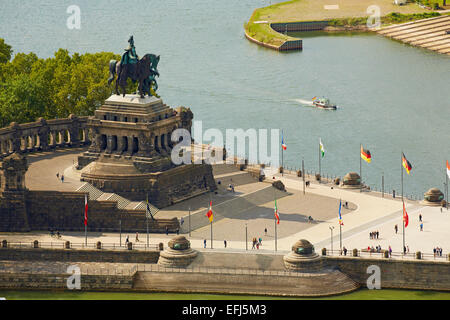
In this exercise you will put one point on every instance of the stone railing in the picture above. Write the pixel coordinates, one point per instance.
(44, 135)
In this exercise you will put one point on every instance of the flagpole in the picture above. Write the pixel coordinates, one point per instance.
(189, 221)
(303, 175)
(147, 219)
(340, 228)
(403, 202)
(210, 201)
(282, 153)
(320, 176)
(446, 184)
(85, 235)
(275, 220)
(360, 170)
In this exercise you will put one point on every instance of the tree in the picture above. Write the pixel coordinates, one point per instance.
(5, 51)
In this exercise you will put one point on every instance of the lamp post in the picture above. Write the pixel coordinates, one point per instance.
(331, 229)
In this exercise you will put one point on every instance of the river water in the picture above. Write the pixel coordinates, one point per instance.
(392, 97)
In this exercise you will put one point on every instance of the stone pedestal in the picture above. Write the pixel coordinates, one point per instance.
(433, 197)
(303, 258)
(131, 148)
(178, 254)
(352, 180)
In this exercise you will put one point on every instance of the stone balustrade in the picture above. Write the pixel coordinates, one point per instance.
(44, 135)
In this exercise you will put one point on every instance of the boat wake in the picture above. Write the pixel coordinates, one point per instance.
(304, 102)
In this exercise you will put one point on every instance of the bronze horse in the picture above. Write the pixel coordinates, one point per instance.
(141, 71)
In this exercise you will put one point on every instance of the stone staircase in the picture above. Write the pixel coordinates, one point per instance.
(122, 203)
(427, 33)
(254, 282)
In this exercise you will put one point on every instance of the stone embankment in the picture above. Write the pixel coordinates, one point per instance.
(432, 34)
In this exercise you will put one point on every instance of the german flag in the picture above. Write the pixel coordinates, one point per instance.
(365, 154)
(406, 164)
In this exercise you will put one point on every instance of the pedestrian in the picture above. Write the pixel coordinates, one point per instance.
(420, 217)
(225, 243)
(265, 231)
(181, 221)
(421, 226)
(378, 234)
(434, 252)
(260, 241)
(167, 231)
(62, 178)
(254, 243)
(57, 175)
(257, 245)
(137, 237)
(345, 251)
(440, 252)
(204, 243)
(396, 229)
(127, 240)
(390, 252)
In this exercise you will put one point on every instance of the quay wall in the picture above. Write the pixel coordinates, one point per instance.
(398, 274)
(78, 255)
(42, 281)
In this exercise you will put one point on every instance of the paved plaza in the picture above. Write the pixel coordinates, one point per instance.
(251, 208)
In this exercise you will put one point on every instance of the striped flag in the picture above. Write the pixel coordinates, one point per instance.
(210, 214)
(448, 169)
(340, 217)
(85, 210)
(276, 212)
(322, 150)
(406, 164)
(365, 155)
(405, 216)
(283, 145)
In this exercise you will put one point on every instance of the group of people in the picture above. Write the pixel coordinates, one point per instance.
(374, 235)
(376, 249)
(437, 252)
(256, 243)
(60, 178)
(53, 234)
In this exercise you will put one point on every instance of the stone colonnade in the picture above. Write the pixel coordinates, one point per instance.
(43, 135)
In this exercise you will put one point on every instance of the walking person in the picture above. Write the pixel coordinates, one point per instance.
(204, 243)
(265, 231)
(390, 252)
(62, 178)
(396, 229)
(225, 243)
(421, 226)
(260, 241)
(420, 217)
(137, 237)
(167, 231)
(127, 240)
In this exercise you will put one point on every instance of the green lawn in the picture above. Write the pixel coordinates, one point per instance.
(363, 294)
(351, 12)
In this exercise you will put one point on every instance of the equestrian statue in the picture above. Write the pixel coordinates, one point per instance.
(143, 70)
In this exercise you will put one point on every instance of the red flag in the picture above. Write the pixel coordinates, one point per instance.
(210, 214)
(85, 209)
(405, 216)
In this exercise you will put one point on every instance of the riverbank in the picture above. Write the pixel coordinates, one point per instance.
(269, 26)
(361, 294)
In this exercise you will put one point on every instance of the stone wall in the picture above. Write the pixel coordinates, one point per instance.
(74, 255)
(41, 281)
(64, 211)
(402, 274)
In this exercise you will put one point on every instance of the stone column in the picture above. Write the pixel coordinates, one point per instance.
(120, 145)
(129, 151)
(109, 143)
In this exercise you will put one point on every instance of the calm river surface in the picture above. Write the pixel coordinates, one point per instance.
(392, 97)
